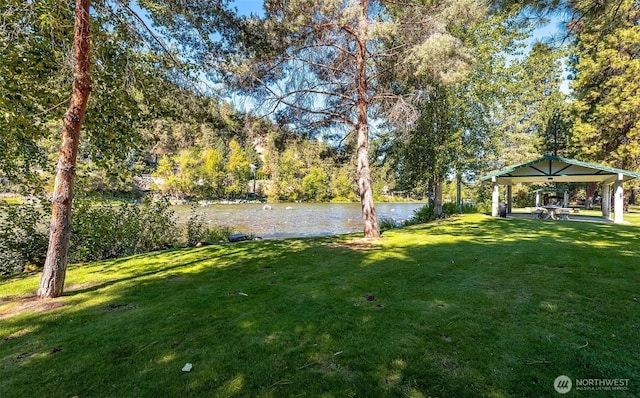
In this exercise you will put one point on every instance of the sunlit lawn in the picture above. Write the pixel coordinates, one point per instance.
(470, 306)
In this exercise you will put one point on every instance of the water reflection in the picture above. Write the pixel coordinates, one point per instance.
(295, 219)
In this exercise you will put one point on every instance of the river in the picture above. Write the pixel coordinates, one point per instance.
(282, 220)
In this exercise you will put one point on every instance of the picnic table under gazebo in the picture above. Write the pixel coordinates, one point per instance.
(552, 169)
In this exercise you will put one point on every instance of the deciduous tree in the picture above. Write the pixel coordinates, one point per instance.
(118, 108)
(465, 121)
(33, 42)
(52, 281)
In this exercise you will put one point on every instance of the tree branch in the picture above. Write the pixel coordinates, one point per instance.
(151, 33)
(281, 99)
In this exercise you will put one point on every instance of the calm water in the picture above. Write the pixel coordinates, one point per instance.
(295, 219)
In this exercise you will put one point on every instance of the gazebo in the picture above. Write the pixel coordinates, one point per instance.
(557, 169)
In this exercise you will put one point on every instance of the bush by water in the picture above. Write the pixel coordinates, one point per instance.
(99, 231)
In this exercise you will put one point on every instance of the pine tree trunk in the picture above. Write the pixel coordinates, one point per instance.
(365, 189)
(369, 217)
(459, 204)
(52, 281)
(437, 198)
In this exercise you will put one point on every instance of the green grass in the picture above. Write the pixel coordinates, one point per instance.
(466, 307)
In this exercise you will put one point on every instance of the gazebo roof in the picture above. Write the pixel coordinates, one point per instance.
(558, 169)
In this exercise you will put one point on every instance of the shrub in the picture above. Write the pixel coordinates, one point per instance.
(469, 209)
(484, 207)
(101, 231)
(157, 226)
(449, 209)
(422, 215)
(23, 237)
(108, 231)
(196, 230)
(426, 213)
(219, 234)
(452, 208)
(386, 223)
(342, 199)
(98, 231)
(523, 198)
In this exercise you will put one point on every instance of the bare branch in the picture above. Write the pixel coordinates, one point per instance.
(282, 99)
(316, 46)
(150, 31)
(320, 65)
(64, 101)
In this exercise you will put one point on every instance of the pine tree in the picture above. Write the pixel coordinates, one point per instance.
(606, 86)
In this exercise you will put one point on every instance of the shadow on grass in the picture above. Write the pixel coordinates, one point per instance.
(463, 307)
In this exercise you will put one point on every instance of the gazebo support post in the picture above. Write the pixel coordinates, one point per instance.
(509, 198)
(495, 198)
(565, 199)
(605, 201)
(618, 200)
(538, 204)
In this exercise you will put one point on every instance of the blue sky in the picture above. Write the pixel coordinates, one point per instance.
(247, 7)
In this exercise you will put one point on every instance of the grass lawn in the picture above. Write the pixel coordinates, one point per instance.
(466, 307)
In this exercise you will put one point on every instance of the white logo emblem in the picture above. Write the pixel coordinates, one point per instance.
(562, 384)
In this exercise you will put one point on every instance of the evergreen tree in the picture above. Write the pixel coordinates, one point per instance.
(536, 96)
(322, 64)
(606, 86)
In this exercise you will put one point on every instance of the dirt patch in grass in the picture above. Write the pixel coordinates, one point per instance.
(77, 288)
(449, 365)
(31, 304)
(357, 244)
(16, 297)
(74, 287)
(325, 366)
(121, 307)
